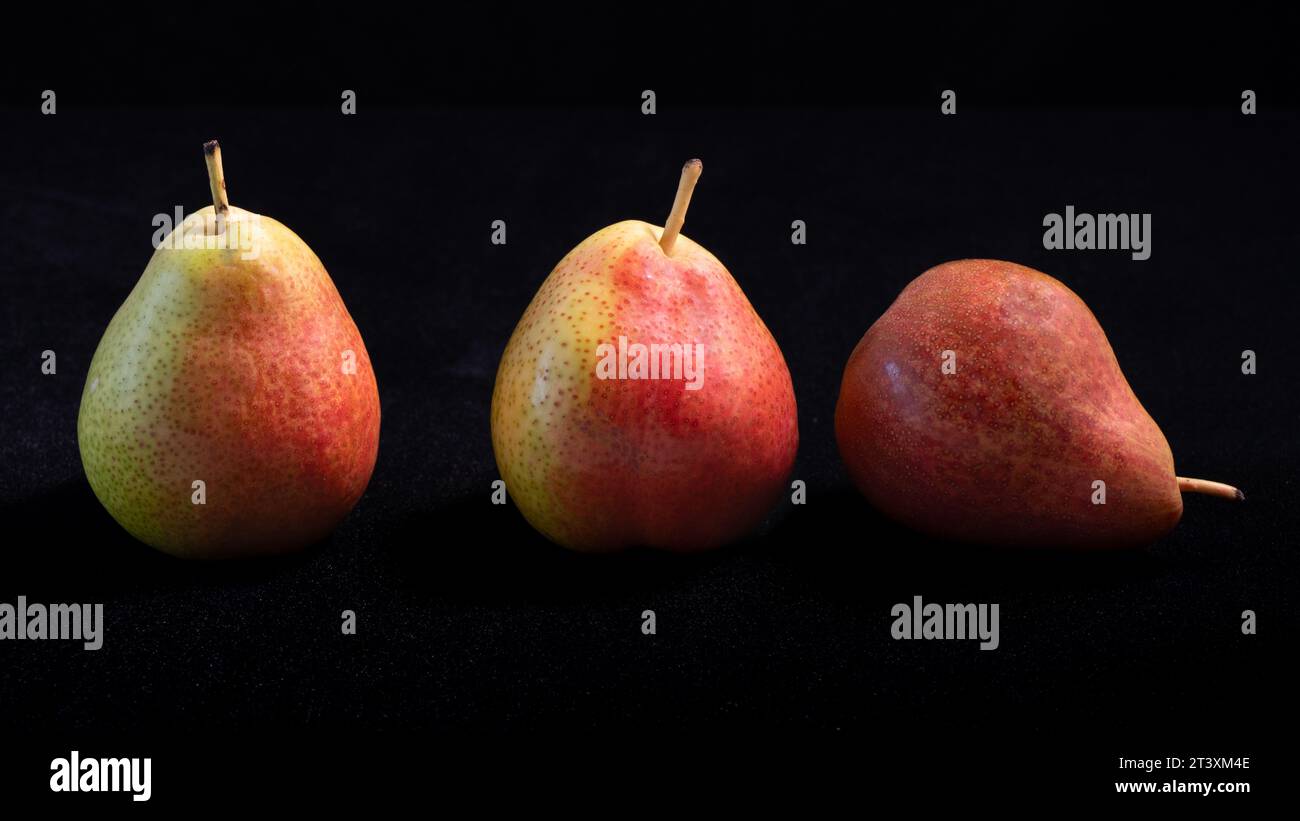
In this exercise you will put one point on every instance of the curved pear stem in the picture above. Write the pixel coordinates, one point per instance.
(1209, 488)
(677, 217)
(216, 182)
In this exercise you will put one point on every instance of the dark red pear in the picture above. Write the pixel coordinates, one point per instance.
(986, 405)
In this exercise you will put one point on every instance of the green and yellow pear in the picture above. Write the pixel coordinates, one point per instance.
(230, 409)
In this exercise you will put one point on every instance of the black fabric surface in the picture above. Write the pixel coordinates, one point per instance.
(470, 623)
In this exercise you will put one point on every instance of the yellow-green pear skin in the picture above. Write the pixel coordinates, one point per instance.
(230, 409)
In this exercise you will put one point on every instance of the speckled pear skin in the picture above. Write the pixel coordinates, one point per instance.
(1005, 450)
(602, 465)
(230, 371)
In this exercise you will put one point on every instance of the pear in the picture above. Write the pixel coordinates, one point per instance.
(986, 405)
(641, 401)
(230, 409)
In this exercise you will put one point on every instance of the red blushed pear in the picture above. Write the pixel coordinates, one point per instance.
(986, 405)
(230, 409)
(641, 401)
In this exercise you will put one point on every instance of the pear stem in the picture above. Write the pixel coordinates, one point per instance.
(677, 217)
(1210, 488)
(216, 180)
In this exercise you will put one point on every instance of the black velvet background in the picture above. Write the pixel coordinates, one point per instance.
(470, 624)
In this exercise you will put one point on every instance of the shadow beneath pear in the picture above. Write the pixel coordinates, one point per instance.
(64, 544)
(837, 546)
(472, 551)
(840, 545)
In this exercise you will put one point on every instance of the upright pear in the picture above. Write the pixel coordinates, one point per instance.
(230, 409)
(986, 405)
(641, 401)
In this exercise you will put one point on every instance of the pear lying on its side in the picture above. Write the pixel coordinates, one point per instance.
(233, 363)
(986, 404)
